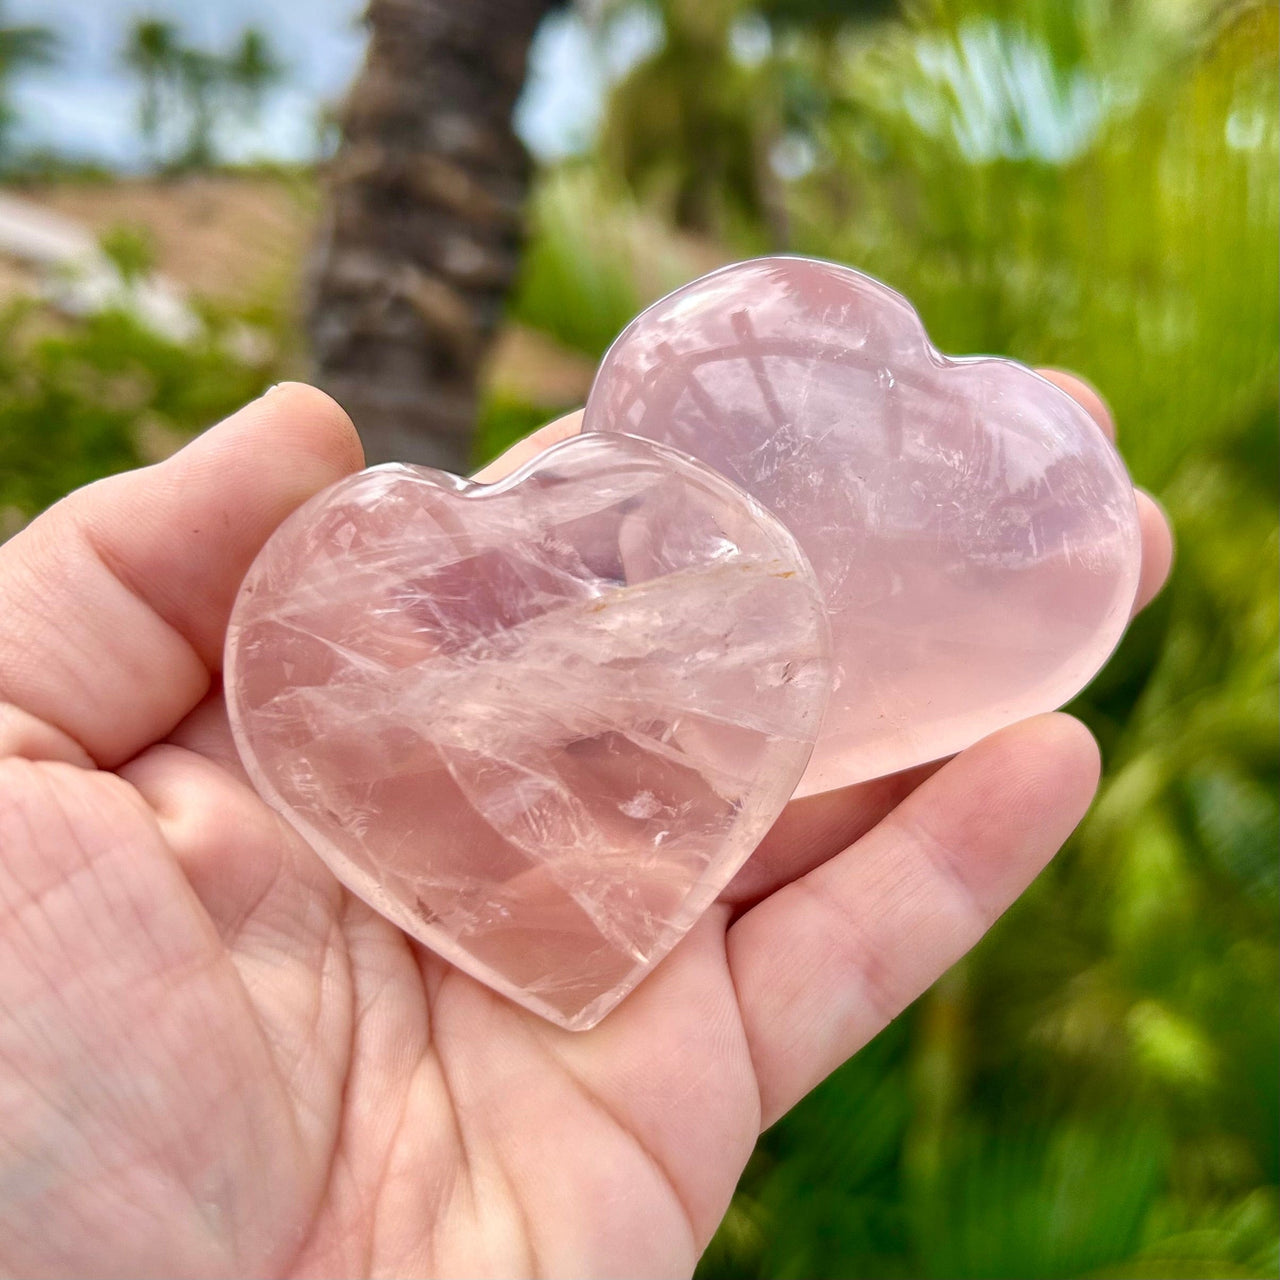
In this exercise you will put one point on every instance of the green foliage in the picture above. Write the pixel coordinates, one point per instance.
(1111, 237)
(184, 90)
(130, 251)
(252, 68)
(504, 419)
(594, 259)
(83, 400)
(582, 308)
(697, 129)
(152, 54)
(21, 46)
(681, 129)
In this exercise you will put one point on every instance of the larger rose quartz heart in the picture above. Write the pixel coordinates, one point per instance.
(974, 533)
(538, 724)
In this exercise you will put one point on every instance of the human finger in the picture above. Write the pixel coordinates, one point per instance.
(1086, 395)
(206, 731)
(827, 961)
(114, 603)
(570, 424)
(1157, 549)
(1157, 535)
(29, 738)
(817, 827)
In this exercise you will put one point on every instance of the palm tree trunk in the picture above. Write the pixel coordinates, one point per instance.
(423, 230)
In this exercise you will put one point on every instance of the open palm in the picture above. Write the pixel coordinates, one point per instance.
(214, 1060)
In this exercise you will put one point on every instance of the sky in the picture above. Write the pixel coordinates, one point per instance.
(87, 105)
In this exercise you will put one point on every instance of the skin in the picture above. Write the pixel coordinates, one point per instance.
(214, 1060)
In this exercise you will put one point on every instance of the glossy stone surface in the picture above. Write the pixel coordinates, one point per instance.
(975, 534)
(538, 724)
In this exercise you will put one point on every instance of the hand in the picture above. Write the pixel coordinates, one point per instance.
(214, 1060)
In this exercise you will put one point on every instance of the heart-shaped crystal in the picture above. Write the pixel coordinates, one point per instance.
(538, 724)
(973, 531)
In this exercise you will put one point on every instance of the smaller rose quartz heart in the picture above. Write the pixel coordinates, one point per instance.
(974, 532)
(538, 724)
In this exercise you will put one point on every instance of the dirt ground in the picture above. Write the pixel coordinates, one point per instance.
(236, 240)
(244, 239)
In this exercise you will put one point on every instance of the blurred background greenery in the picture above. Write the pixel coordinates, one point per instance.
(1085, 183)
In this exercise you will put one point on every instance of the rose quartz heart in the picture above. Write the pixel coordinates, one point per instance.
(537, 724)
(974, 532)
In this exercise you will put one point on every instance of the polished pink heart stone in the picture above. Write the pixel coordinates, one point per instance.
(537, 724)
(974, 533)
